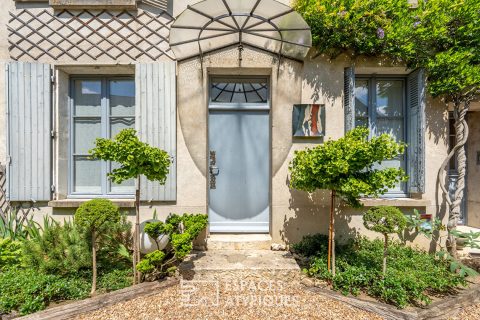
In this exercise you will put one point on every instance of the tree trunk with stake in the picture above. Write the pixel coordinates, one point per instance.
(94, 264)
(385, 253)
(136, 240)
(455, 205)
(331, 236)
(461, 135)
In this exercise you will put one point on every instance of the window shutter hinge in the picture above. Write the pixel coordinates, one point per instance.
(52, 188)
(52, 78)
(9, 160)
(53, 134)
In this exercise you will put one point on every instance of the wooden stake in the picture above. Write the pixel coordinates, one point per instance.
(332, 217)
(136, 242)
(94, 264)
(331, 235)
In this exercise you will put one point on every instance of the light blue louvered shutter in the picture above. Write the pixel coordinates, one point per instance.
(156, 124)
(29, 105)
(349, 98)
(416, 101)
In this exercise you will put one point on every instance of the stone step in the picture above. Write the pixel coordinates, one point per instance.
(239, 242)
(224, 264)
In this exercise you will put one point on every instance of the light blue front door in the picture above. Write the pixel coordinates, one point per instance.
(239, 162)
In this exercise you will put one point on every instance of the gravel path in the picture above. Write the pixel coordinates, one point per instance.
(469, 313)
(237, 299)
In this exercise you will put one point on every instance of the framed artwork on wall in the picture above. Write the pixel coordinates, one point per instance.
(308, 120)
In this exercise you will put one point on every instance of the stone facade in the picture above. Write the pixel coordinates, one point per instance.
(126, 38)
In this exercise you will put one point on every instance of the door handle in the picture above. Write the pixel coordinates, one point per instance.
(214, 170)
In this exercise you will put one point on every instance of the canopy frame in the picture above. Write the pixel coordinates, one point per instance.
(240, 29)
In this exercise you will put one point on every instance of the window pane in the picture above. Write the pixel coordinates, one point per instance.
(389, 98)
(87, 175)
(393, 127)
(239, 92)
(399, 162)
(127, 186)
(361, 122)
(86, 131)
(361, 98)
(122, 98)
(88, 97)
(118, 124)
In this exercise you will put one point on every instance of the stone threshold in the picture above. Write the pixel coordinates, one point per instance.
(73, 309)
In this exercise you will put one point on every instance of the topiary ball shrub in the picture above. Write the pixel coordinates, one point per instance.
(95, 216)
(95, 213)
(384, 220)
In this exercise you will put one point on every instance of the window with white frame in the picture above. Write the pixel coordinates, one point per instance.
(380, 105)
(100, 108)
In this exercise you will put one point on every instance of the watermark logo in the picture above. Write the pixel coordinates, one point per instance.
(199, 293)
(246, 293)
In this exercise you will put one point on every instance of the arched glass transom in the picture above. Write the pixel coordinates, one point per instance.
(244, 91)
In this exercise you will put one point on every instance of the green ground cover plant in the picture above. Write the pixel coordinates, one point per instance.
(53, 262)
(412, 277)
(27, 290)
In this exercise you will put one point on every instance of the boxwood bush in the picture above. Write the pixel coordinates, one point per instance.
(412, 276)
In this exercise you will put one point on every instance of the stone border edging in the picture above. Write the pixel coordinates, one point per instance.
(443, 309)
(91, 304)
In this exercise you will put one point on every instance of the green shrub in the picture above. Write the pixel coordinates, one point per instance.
(385, 220)
(182, 230)
(10, 253)
(116, 279)
(58, 249)
(412, 274)
(28, 290)
(151, 262)
(96, 214)
(312, 245)
(13, 224)
(96, 217)
(114, 251)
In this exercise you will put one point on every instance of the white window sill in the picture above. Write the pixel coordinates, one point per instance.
(75, 203)
(93, 4)
(396, 202)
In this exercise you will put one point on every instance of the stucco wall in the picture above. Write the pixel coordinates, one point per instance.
(295, 212)
(320, 80)
(473, 169)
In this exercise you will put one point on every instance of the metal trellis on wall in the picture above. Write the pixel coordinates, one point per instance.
(42, 34)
